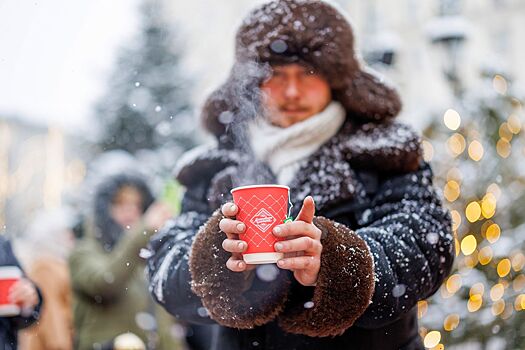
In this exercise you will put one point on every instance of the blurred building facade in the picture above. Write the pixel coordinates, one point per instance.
(39, 166)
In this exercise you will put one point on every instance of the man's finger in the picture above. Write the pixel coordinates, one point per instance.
(297, 228)
(235, 265)
(309, 245)
(307, 210)
(232, 226)
(234, 245)
(229, 209)
(297, 263)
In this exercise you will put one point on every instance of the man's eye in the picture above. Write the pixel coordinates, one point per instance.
(311, 72)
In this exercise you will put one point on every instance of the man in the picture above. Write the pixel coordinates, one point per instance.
(370, 236)
(23, 293)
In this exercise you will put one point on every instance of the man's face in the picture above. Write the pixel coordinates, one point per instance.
(294, 93)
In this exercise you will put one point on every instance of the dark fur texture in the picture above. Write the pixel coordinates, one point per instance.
(344, 287)
(305, 32)
(222, 291)
(336, 306)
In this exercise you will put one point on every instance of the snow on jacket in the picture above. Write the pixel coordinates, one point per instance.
(387, 243)
(9, 326)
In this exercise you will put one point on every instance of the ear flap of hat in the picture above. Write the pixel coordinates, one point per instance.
(368, 97)
(237, 99)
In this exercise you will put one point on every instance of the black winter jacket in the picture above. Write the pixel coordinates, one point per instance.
(9, 326)
(387, 243)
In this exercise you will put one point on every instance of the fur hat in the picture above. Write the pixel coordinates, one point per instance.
(310, 32)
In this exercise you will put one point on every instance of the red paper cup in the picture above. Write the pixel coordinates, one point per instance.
(261, 208)
(9, 275)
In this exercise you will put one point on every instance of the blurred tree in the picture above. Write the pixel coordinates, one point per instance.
(146, 104)
(481, 169)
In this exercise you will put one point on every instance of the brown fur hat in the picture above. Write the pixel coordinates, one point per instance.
(310, 32)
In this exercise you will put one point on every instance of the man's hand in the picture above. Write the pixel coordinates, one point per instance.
(232, 243)
(302, 246)
(24, 293)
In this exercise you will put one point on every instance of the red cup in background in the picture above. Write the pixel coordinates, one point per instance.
(9, 275)
(261, 208)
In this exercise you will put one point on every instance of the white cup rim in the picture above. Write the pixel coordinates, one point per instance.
(258, 186)
(7, 272)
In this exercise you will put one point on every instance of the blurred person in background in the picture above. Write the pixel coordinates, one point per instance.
(24, 293)
(45, 250)
(107, 271)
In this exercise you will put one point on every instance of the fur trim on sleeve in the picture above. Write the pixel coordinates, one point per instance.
(223, 292)
(344, 287)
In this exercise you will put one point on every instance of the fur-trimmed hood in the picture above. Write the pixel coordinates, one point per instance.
(106, 230)
(310, 32)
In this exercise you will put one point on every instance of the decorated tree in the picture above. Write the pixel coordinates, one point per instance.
(478, 152)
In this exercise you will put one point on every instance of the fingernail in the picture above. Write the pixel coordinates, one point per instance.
(278, 246)
(280, 263)
(233, 207)
(240, 227)
(240, 245)
(277, 230)
(240, 264)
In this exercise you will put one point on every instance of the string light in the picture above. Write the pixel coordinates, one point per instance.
(500, 84)
(451, 322)
(503, 267)
(468, 244)
(452, 119)
(475, 150)
(496, 292)
(473, 211)
(432, 339)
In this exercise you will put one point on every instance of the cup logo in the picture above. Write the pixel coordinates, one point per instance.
(263, 220)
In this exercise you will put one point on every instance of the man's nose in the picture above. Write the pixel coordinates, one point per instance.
(292, 89)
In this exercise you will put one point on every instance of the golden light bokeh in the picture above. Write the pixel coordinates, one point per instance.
(485, 255)
(451, 322)
(477, 288)
(488, 205)
(452, 119)
(475, 150)
(497, 291)
(432, 339)
(503, 148)
(453, 283)
(519, 283)
(498, 307)
(468, 244)
(499, 83)
(456, 144)
(504, 267)
(451, 191)
(454, 174)
(504, 132)
(495, 190)
(473, 211)
(422, 308)
(518, 261)
(456, 219)
(428, 150)
(493, 232)
(474, 303)
(471, 260)
(519, 303)
(514, 124)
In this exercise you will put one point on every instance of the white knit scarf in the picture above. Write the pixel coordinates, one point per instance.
(283, 149)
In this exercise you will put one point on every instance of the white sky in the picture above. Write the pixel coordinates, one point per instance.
(55, 54)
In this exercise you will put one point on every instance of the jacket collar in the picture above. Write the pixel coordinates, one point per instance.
(329, 174)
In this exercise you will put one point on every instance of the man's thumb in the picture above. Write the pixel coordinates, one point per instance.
(307, 211)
